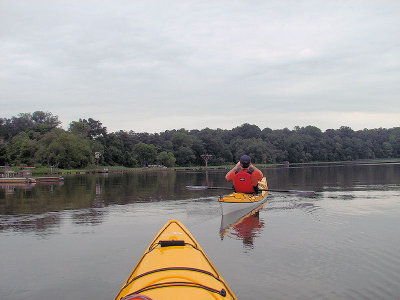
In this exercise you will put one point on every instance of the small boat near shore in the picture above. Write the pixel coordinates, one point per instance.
(237, 202)
(49, 179)
(17, 180)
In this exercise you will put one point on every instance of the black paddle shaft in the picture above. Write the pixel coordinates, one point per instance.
(205, 187)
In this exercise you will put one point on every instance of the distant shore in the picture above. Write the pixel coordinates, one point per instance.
(116, 169)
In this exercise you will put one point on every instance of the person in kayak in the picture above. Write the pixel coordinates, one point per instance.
(245, 176)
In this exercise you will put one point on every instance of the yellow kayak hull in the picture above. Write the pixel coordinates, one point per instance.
(241, 201)
(174, 266)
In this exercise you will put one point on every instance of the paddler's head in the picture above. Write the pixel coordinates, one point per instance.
(245, 161)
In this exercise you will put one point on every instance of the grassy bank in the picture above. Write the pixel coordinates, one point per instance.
(100, 169)
(116, 169)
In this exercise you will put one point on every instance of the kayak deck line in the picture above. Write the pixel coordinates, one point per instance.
(171, 244)
(175, 269)
(221, 292)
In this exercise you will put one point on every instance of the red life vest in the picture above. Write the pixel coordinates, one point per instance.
(242, 181)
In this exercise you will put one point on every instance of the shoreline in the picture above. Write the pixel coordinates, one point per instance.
(107, 170)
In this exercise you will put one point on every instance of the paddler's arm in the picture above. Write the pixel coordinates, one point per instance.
(255, 168)
(257, 175)
(229, 175)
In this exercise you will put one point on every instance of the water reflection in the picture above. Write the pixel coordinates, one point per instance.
(331, 176)
(245, 228)
(94, 191)
(80, 236)
(37, 207)
(10, 188)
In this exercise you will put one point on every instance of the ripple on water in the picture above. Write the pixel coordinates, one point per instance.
(40, 224)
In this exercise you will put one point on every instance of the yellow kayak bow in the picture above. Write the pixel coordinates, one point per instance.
(174, 266)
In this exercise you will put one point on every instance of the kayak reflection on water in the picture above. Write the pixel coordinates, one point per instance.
(244, 228)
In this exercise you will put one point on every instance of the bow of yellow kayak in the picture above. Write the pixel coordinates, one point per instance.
(174, 266)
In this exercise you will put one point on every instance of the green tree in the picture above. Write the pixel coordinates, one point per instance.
(145, 154)
(39, 122)
(44, 154)
(387, 149)
(21, 149)
(47, 118)
(181, 138)
(65, 150)
(79, 129)
(259, 150)
(118, 148)
(184, 156)
(247, 131)
(166, 159)
(3, 155)
(394, 139)
(90, 128)
(19, 124)
(96, 128)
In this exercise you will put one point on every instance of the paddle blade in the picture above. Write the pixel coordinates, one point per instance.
(304, 193)
(197, 187)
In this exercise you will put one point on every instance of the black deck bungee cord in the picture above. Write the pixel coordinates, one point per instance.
(221, 292)
(175, 269)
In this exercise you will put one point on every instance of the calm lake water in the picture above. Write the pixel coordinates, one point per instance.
(81, 239)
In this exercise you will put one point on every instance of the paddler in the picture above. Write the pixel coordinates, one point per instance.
(245, 176)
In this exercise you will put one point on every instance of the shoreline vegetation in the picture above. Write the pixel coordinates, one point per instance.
(120, 169)
(36, 143)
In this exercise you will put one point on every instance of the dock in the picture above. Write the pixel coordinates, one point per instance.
(49, 179)
(17, 180)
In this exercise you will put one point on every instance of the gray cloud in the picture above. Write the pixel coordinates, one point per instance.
(156, 65)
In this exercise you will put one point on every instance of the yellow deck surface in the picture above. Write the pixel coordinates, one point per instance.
(187, 271)
(247, 198)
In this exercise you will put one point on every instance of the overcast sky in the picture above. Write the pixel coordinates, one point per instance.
(149, 66)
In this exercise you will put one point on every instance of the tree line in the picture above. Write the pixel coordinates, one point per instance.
(36, 139)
